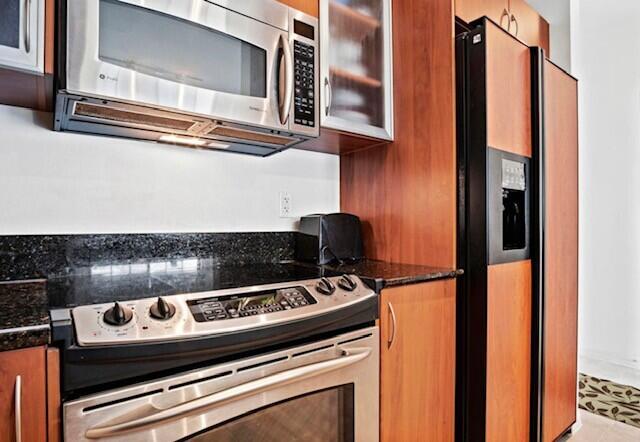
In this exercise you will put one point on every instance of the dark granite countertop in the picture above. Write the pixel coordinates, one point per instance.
(380, 274)
(145, 278)
(24, 306)
(24, 315)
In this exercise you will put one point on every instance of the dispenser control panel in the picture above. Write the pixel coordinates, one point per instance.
(513, 175)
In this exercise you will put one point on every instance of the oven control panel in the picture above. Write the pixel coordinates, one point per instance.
(304, 96)
(216, 312)
(218, 308)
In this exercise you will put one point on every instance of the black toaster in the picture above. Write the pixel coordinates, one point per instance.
(329, 238)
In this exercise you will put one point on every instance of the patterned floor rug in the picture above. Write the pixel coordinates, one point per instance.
(608, 399)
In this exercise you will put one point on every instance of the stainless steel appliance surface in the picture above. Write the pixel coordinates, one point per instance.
(216, 312)
(323, 391)
(288, 349)
(215, 74)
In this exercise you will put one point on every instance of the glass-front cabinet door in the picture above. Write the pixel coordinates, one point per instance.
(357, 67)
(22, 35)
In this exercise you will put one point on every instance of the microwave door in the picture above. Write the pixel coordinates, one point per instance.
(190, 55)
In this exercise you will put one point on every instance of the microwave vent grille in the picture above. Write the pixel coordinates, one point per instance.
(127, 116)
(241, 134)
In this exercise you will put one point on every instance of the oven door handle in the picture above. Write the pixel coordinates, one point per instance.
(149, 415)
(285, 80)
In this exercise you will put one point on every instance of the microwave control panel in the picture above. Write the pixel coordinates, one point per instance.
(304, 55)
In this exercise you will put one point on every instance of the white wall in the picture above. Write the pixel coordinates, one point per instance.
(54, 182)
(607, 63)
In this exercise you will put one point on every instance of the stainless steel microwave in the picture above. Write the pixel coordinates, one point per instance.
(234, 75)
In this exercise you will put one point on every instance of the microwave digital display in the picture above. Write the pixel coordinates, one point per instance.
(304, 30)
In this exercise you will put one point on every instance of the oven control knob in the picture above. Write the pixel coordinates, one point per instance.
(325, 286)
(118, 315)
(162, 310)
(347, 283)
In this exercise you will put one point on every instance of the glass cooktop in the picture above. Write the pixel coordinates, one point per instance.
(140, 279)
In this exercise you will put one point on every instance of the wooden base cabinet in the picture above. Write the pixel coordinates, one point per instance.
(23, 395)
(417, 369)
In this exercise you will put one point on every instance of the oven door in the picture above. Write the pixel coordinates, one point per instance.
(186, 55)
(325, 391)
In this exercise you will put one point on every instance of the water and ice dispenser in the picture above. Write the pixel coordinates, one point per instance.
(508, 199)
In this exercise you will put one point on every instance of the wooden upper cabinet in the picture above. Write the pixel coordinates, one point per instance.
(496, 10)
(560, 252)
(356, 68)
(417, 367)
(508, 92)
(356, 76)
(23, 395)
(307, 6)
(516, 16)
(528, 25)
(22, 35)
(27, 53)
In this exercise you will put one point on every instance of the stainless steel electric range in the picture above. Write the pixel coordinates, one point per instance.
(169, 351)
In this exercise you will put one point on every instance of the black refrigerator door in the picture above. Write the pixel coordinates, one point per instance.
(489, 206)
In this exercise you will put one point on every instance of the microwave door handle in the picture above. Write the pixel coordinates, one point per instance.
(285, 80)
(27, 26)
(116, 426)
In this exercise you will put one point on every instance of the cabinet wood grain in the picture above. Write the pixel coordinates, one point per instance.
(405, 191)
(561, 252)
(338, 143)
(470, 10)
(49, 35)
(508, 92)
(508, 351)
(307, 6)
(516, 16)
(29, 364)
(54, 405)
(529, 26)
(417, 370)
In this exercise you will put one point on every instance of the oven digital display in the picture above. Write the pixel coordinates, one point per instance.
(243, 305)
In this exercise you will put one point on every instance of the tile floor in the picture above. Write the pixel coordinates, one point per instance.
(594, 428)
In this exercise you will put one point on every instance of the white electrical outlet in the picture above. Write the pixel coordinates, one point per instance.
(286, 207)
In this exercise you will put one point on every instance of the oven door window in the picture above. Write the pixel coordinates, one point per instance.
(177, 50)
(323, 416)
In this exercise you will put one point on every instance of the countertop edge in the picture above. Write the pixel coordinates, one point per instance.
(416, 279)
(26, 322)
(25, 337)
